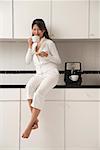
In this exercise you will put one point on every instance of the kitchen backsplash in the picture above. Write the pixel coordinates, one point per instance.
(12, 57)
(12, 54)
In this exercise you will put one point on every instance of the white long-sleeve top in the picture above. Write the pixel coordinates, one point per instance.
(44, 64)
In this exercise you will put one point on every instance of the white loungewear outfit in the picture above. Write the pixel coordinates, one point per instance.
(47, 74)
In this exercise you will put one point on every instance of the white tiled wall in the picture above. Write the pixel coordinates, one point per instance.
(12, 57)
(12, 54)
(87, 52)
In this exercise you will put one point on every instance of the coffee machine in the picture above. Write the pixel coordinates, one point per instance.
(72, 74)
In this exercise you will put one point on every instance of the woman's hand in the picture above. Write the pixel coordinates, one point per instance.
(42, 54)
(30, 42)
(38, 46)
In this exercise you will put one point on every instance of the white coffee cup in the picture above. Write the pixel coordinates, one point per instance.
(35, 38)
(74, 77)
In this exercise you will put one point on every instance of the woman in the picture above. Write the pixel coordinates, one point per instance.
(46, 58)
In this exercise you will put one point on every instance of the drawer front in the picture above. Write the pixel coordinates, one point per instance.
(82, 94)
(9, 94)
(53, 94)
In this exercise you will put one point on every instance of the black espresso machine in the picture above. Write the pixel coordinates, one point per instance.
(72, 74)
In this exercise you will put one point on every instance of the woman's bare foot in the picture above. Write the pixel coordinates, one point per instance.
(35, 113)
(35, 126)
(26, 133)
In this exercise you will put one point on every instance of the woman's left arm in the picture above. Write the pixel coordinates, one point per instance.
(49, 52)
(53, 56)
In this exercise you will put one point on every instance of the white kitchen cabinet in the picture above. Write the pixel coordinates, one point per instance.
(64, 19)
(82, 126)
(5, 18)
(82, 119)
(82, 94)
(9, 125)
(94, 30)
(50, 134)
(9, 118)
(69, 19)
(25, 11)
(7, 94)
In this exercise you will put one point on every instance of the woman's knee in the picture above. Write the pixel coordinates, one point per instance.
(29, 86)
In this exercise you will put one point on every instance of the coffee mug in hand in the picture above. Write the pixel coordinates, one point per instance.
(35, 38)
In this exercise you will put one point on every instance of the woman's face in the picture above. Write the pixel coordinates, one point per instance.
(36, 31)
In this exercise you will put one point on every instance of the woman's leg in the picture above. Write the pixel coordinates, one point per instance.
(35, 126)
(29, 103)
(49, 81)
(34, 115)
(31, 87)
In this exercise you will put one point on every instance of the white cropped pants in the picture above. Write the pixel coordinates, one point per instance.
(39, 86)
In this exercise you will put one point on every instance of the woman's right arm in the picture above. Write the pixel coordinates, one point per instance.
(28, 57)
(30, 52)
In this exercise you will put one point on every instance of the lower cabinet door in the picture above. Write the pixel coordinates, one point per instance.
(82, 126)
(50, 133)
(9, 125)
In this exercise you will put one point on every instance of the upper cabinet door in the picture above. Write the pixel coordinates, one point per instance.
(5, 18)
(69, 19)
(94, 31)
(25, 11)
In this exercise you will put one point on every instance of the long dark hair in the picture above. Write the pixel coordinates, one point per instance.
(41, 24)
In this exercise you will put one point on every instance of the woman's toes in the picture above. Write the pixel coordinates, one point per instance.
(26, 133)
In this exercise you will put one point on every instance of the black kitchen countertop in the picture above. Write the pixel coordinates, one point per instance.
(57, 86)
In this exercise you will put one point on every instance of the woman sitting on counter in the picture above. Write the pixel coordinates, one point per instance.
(43, 52)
